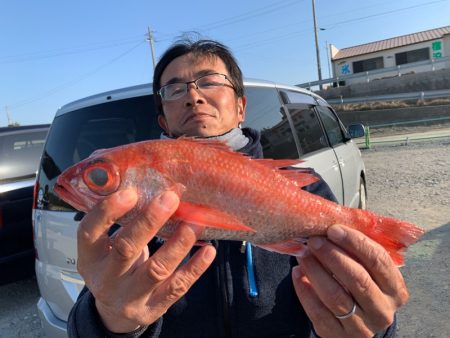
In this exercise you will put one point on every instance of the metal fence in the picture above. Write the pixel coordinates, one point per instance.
(420, 96)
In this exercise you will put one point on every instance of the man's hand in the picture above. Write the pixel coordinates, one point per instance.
(131, 288)
(344, 269)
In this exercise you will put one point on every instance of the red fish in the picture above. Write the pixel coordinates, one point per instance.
(231, 195)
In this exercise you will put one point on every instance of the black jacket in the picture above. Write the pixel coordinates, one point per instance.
(219, 304)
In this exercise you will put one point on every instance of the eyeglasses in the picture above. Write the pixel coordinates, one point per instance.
(206, 83)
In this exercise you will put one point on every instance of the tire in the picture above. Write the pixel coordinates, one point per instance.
(362, 195)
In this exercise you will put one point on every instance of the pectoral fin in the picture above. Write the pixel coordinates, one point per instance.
(293, 247)
(209, 217)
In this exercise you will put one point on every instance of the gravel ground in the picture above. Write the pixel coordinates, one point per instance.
(18, 313)
(409, 182)
(413, 183)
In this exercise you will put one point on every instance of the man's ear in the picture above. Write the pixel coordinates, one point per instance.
(163, 123)
(242, 105)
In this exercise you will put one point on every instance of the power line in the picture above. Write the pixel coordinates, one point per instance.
(269, 9)
(384, 13)
(31, 56)
(295, 34)
(74, 81)
(232, 20)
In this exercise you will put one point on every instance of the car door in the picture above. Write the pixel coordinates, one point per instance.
(315, 149)
(346, 153)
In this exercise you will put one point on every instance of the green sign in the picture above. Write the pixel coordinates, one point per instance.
(436, 46)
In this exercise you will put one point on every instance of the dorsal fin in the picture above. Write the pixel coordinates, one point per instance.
(276, 164)
(301, 177)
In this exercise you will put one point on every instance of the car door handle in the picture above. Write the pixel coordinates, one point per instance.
(341, 162)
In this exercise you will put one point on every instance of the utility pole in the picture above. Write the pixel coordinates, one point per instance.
(152, 47)
(8, 116)
(319, 71)
(327, 48)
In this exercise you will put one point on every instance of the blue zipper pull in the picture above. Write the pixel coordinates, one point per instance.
(252, 288)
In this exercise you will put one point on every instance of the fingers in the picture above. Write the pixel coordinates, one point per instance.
(325, 324)
(374, 258)
(331, 292)
(324, 321)
(182, 279)
(376, 307)
(131, 240)
(92, 230)
(164, 262)
(347, 267)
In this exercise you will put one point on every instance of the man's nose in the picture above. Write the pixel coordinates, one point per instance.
(193, 95)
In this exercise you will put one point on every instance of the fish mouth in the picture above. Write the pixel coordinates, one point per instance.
(69, 197)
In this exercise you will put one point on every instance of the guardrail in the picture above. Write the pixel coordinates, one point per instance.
(408, 135)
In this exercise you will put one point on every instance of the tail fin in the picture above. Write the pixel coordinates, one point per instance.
(393, 234)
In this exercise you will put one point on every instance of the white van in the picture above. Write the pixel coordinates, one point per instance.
(294, 123)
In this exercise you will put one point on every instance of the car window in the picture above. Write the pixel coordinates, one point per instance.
(296, 97)
(76, 134)
(20, 153)
(331, 125)
(265, 114)
(308, 128)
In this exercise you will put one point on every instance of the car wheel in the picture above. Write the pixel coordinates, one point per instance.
(362, 195)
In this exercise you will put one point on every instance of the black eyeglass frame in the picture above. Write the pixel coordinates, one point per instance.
(186, 84)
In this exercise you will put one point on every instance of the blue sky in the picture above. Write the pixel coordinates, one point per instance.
(54, 51)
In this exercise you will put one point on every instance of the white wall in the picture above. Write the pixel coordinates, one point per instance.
(446, 43)
(438, 48)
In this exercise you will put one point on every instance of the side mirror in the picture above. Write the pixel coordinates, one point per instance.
(356, 130)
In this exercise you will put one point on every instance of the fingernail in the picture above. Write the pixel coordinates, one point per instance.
(198, 230)
(126, 196)
(209, 254)
(303, 252)
(336, 233)
(167, 200)
(297, 272)
(315, 242)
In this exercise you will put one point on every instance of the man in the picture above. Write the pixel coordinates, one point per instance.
(345, 284)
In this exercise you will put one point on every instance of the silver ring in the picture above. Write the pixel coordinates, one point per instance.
(347, 315)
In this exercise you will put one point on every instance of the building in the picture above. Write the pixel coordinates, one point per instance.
(412, 53)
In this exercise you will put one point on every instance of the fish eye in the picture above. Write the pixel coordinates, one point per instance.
(102, 178)
(98, 176)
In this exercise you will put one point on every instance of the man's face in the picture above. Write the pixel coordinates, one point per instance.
(197, 113)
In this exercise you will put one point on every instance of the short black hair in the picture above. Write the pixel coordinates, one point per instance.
(199, 48)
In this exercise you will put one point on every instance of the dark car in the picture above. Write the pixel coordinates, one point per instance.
(20, 152)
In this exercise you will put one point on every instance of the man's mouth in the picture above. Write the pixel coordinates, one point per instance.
(196, 116)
